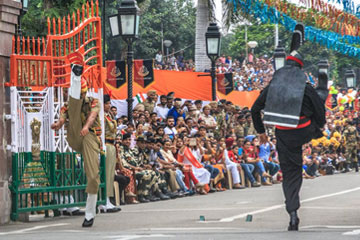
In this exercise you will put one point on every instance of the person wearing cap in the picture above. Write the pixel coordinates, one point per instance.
(239, 126)
(146, 177)
(150, 101)
(110, 135)
(209, 120)
(193, 113)
(83, 135)
(298, 112)
(220, 117)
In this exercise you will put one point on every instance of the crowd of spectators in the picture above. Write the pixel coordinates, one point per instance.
(174, 148)
(250, 75)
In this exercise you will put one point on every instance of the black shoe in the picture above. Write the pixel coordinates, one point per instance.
(122, 202)
(142, 199)
(111, 210)
(74, 213)
(87, 223)
(152, 198)
(163, 196)
(294, 222)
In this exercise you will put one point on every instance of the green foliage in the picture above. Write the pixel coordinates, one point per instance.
(166, 20)
(160, 20)
(263, 34)
(234, 45)
(34, 22)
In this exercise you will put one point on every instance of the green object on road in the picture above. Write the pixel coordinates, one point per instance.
(249, 218)
(202, 218)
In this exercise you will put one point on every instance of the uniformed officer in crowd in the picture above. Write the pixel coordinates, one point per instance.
(351, 136)
(110, 162)
(150, 101)
(148, 181)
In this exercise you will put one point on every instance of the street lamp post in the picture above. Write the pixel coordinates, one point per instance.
(323, 66)
(126, 25)
(279, 56)
(167, 44)
(213, 42)
(252, 45)
(350, 78)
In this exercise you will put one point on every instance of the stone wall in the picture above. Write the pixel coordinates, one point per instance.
(9, 12)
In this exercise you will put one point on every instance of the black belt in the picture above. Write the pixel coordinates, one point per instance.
(109, 141)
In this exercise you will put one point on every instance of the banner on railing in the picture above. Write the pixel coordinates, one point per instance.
(116, 73)
(225, 83)
(143, 72)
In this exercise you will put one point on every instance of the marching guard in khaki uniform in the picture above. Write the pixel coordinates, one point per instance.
(83, 135)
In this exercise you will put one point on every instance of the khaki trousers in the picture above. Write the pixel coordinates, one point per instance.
(174, 186)
(110, 169)
(88, 146)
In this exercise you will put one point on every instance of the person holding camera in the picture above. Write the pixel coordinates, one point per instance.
(191, 153)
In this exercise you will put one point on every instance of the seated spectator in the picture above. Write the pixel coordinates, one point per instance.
(251, 156)
(230, 165)
(264, 155)
(191, 154)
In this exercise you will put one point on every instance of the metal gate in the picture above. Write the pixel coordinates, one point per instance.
(46, 173)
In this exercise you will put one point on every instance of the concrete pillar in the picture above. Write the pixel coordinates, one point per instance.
(9, 12)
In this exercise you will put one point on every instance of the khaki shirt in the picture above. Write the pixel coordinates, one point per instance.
(149, 106)
(110, 127)
(89, 105)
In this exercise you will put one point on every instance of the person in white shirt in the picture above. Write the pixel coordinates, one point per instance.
(170, 128)
(158, 58)
(161, 109)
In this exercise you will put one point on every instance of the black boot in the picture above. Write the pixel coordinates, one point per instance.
(168, 194)
(161, 195)
(346, 168)
(356, 166)
(142, 199)
(87, 223)
(294, 222)
(152, 198)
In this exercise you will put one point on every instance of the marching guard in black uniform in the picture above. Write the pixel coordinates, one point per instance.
(298, 112)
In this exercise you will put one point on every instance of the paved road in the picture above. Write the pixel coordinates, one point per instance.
(330, 210)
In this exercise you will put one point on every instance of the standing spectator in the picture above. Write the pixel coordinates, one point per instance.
(159, 58)
(170, 128)
(150, 101)
(161, 109)
(176, 111)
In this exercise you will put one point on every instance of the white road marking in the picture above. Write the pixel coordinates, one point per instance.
(230, 219)
(33, 228)
(187, 209)
(352, 233)
(330, 227)
(130, 237)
